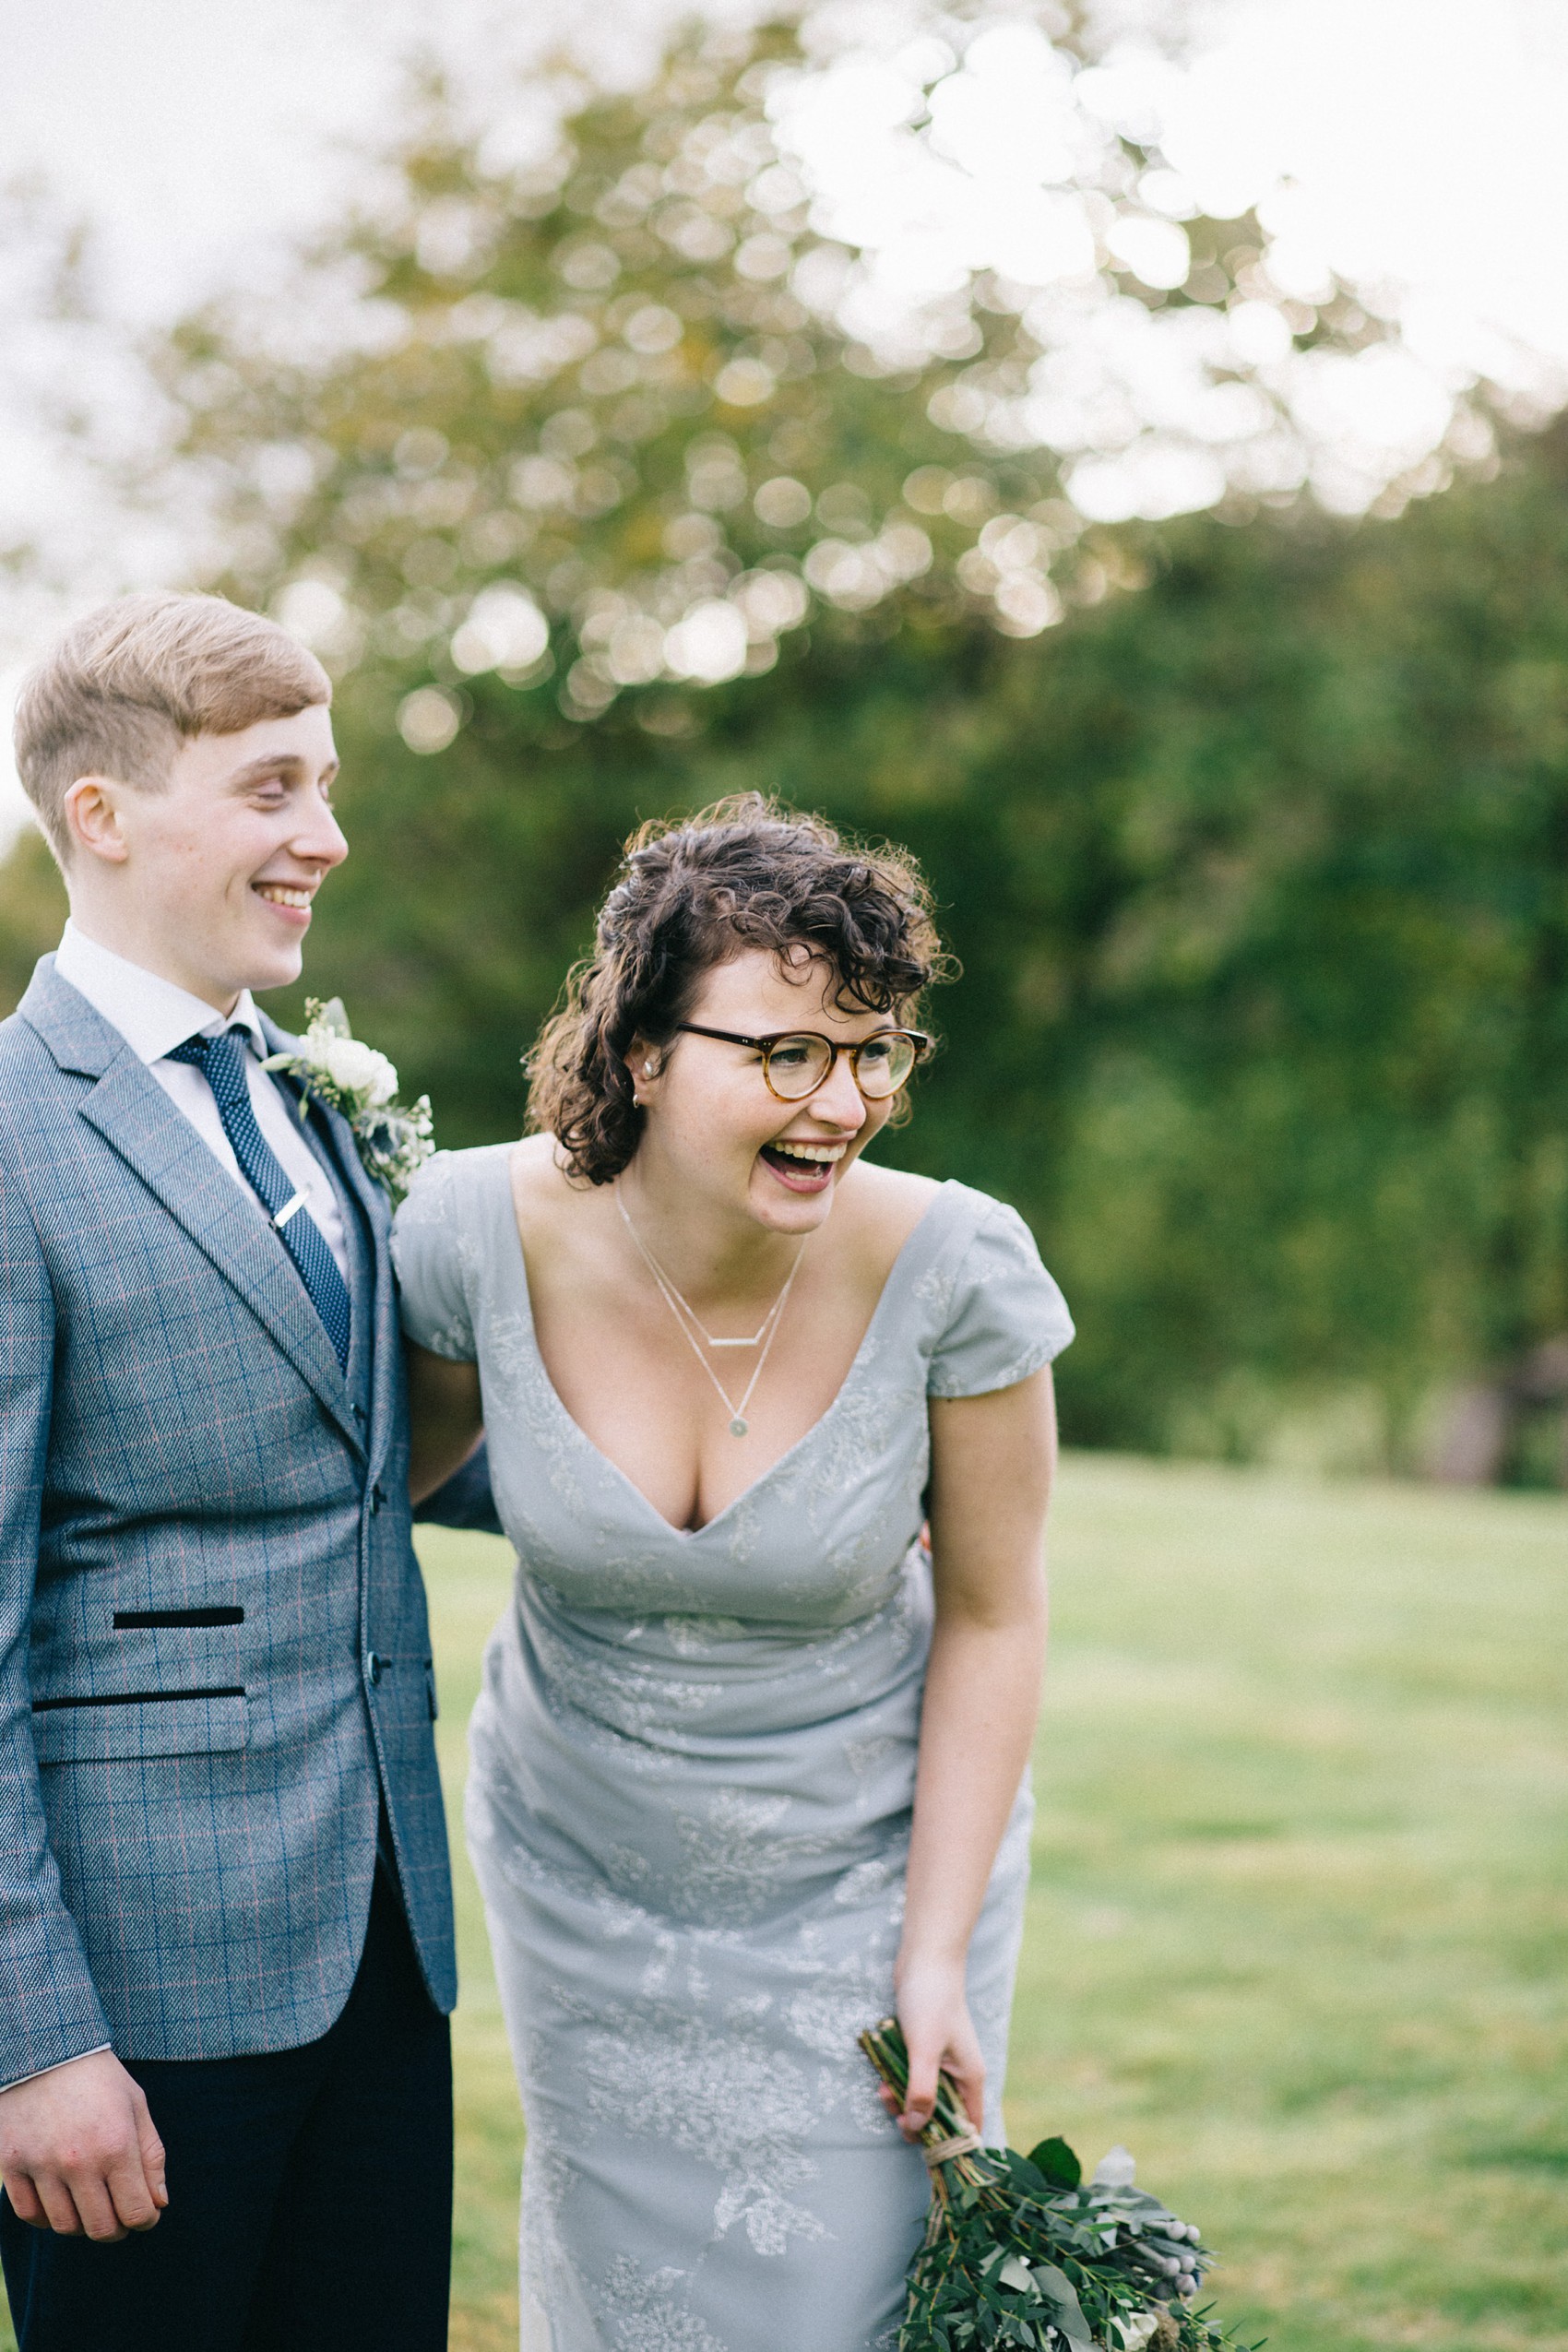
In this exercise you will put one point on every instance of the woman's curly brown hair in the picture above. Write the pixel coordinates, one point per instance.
(741, 874)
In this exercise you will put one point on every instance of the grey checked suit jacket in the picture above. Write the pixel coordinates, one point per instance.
(213, 1643)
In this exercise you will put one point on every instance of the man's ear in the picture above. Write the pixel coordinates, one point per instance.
(92, 811)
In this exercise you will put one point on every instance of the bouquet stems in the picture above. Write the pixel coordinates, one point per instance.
(1020, 2250)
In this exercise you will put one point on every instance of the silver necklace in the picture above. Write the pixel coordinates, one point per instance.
(681, 1308)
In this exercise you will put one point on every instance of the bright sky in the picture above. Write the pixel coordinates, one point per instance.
(1422, 140)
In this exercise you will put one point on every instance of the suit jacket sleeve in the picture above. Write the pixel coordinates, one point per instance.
(49, 2010)
(465, 1500)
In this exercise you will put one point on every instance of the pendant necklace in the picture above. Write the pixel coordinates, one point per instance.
(697, 1337)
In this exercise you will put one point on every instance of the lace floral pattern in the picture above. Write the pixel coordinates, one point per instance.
(693, 1768)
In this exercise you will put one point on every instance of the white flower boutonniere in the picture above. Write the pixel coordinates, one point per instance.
(330, 1062)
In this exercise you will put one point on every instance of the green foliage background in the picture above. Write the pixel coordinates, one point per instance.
(1259, 879)
(1257, 865)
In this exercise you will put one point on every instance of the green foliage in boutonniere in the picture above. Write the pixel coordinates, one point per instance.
(393, 1139)
(1022, 2251)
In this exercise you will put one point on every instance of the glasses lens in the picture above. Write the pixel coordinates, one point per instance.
(883, 1064)
(797, 1065)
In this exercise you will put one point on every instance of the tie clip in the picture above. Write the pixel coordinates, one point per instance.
(287, 1211)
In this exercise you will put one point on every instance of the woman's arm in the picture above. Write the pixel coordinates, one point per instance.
(991, 1462)
(444, 1417)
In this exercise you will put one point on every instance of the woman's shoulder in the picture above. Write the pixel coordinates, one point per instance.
(448, 1179)
(996, 1313)
(966, 1210)
(891, 1197)
(885, 1206)
(549, 1203)
(537, 1171)
(442, 1242)
(892, 1206)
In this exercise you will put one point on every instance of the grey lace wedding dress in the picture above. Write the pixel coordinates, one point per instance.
(693, 1766)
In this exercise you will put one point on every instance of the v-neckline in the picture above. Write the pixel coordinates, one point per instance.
(694, 1535)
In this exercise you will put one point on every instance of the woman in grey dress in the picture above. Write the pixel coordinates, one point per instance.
(749, 1761)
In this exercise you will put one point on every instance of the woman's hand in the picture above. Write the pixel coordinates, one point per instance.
(933, 2011)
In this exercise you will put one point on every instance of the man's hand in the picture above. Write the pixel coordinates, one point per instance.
(78, 2151)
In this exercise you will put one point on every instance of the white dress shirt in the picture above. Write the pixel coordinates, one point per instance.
(153, 1017)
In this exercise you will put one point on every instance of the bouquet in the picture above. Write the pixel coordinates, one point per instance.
(393, 1139)
(1021, 2251)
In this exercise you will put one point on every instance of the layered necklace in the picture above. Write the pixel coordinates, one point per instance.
(698, 1338)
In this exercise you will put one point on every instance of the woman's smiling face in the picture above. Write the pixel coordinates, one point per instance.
(715, 1128)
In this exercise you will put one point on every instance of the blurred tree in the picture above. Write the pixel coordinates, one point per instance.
(628, 414)
(32, 907)
(1257, 875)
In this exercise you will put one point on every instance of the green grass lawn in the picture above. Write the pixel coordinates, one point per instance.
(1299, 1923)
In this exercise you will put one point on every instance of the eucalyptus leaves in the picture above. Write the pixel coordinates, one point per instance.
(394, 1140)
(1022, 2251)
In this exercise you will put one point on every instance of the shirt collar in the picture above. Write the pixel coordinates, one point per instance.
(151, 1013)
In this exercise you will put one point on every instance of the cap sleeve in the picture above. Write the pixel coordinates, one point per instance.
(429, 1252)
(1007, 1317)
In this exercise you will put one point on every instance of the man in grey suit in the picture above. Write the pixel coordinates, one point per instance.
(225, 1915)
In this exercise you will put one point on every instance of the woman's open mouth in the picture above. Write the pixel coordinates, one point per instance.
(803, 1168)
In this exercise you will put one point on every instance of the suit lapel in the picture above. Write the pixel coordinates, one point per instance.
(137, 1118)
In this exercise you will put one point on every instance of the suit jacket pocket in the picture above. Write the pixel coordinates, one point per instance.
(93, 1729)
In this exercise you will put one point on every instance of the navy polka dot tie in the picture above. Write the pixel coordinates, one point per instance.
(224, 1062)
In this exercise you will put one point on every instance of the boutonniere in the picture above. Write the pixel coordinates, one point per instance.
(393, 1139)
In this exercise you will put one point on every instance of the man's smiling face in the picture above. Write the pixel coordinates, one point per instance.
(220, 866)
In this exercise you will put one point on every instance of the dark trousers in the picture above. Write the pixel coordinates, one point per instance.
(310, 2194)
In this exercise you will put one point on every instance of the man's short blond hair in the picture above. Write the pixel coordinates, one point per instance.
(129, 684)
